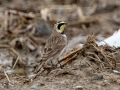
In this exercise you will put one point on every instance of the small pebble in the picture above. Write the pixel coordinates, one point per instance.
(33, 87)
(78, 87)
(116, 72)
(97, 77)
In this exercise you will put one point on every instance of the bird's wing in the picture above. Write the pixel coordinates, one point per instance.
(53, 46)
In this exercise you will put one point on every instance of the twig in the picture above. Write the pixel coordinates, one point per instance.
(30, 15)
(102, 54)
(16, 53)
(6, 76)
(101, 65)
(6, 20)
(15, 62)
(71, 54)
(38, 73)
(69, 59)
(4, 46)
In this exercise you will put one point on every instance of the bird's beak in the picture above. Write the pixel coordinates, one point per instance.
(65, 23)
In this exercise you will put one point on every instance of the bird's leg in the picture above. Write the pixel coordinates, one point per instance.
(59, 63)
(49, 63)
(52, 63)
(39, 67)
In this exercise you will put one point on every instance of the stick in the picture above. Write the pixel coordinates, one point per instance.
(15, 52)
(6, 76)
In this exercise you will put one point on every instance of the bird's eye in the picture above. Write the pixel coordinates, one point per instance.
(59, 25)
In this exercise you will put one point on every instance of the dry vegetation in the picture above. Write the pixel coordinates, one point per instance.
(26, 25)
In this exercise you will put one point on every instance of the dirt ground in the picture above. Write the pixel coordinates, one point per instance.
(25, 26)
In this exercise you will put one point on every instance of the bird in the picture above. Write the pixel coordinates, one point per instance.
(55, 45)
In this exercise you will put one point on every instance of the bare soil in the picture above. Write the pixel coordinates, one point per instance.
(91, 67)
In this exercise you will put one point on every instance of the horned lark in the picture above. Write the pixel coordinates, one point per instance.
(55, 45)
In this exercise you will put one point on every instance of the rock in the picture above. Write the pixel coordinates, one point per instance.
(116, 72)
(42, 27)
(33, 87)
(78, 87)
(97, 77)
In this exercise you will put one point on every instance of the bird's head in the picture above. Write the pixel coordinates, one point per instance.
(60, 26)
